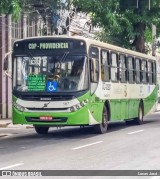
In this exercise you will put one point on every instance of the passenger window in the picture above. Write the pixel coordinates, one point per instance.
(114, 67)
(144, 71)
(105, 66)
(154, 72)
(138, 71)
(122, 69)
(94, 68)
(131, 76)
(150, 72)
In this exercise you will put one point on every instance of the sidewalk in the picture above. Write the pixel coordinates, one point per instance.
(5, 122)
(158, 107)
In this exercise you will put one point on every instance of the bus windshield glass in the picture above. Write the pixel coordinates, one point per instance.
(56, 73)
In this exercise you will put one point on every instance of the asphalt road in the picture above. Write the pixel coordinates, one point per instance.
(124, 147)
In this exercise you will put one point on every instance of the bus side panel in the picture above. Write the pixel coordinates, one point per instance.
(115, 110)
(124, 109)
(150, 101)
(133, 108)
(96, 108)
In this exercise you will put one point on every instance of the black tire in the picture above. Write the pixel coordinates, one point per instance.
(139, 120)
(102, 127)
(129, 122)
(41, 130)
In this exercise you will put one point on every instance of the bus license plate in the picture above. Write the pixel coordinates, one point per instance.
(46, 118)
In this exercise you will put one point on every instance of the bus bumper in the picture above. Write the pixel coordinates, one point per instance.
(79, 117)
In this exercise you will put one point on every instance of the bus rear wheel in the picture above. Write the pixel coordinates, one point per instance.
(41, 129)
(139, 120)
(102, 127)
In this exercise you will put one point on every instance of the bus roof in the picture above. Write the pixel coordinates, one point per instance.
(94, 43)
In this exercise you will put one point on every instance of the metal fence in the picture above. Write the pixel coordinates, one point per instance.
(10, 31)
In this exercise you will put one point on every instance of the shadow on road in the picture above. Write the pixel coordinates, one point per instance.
(30, 139)
(72, 132)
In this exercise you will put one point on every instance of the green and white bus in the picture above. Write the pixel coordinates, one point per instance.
(73, 81)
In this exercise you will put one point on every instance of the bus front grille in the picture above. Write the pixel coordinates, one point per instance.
(47, 109)
(37, 119)
(46, 97)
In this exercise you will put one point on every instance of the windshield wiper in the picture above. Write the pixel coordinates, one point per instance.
(31, 55)
(62, 59)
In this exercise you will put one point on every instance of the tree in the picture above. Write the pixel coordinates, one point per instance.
(10, 7)
(125, 23)
(49, 10)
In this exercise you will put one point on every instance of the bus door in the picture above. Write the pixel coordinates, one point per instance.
(94, 68)
(94, 77)
(123, 82)
(132, 88)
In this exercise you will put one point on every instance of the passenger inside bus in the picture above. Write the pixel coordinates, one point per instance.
(72, 80)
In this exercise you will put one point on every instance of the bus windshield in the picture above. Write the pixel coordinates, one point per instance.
(56, 73)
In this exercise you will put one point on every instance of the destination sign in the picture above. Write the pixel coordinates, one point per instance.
(42, 45)
(60, 45)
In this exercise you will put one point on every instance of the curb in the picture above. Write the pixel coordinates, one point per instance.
(29, 126)
(11, 125)
(5, 125)
(19, 126)
(3, 135)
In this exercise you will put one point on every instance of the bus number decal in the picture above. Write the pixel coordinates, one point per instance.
(106, 86)
(37, 61)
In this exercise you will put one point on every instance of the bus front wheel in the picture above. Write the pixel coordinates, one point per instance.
(41, 130)
(139, 120)
(102, 127)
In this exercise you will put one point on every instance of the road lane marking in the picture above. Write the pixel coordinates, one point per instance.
(11, 166)
(23, 147)
(135, 132)
(87, 145)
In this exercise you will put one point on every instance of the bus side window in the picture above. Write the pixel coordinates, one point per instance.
(150, 72)
(154, 72)
(144, 71)
(114, 67)
(131, 75)
(105, 67)
(138, 71)
(94, 64)
(94, 70)
(122, 68)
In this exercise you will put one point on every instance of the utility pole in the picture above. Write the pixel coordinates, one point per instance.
(3, 102)
(24, 25)
(10, 66)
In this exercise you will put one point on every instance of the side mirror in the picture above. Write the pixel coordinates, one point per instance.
(6, 65)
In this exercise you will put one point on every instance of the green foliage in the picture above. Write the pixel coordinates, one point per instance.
(124, 22)
(10, 7)
(15, 7)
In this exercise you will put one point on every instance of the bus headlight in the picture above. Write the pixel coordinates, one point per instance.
(78, 106)
(72, 109)
(19, 107)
